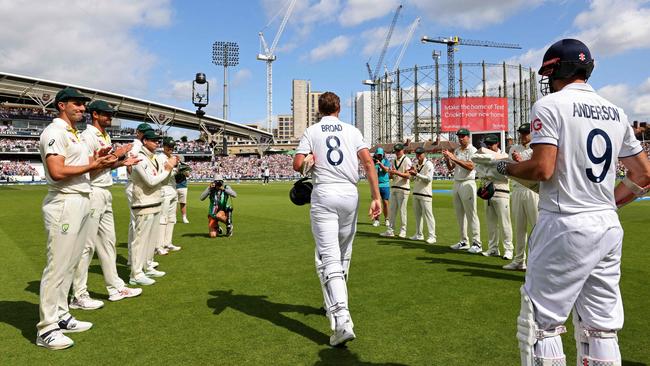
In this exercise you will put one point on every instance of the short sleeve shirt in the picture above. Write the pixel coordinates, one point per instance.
(58, 138)
(591, 134)
(335, 146)
(96, 140)
(460, 173)
(402, 165)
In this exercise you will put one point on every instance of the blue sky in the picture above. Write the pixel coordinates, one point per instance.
(152, 48)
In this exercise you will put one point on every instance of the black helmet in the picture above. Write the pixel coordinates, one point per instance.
(301, 192)
(564, 59)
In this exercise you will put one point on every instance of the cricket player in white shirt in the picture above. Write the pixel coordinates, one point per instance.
(574, 256)
(67, 162)
(101, 227)
(464, 192)
(524, 202)
(422, 175)
(337, 149)
(399, 192)
(170, 201)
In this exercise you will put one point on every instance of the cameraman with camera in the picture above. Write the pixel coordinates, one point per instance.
(220, 209)
(382, 165)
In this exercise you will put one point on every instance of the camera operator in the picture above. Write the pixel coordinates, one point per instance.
(220, 209)
(382, 165)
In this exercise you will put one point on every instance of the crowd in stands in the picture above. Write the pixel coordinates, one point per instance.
(27, 113)
(239, 167)
(192, 147)
(15, 168)
(18, 145)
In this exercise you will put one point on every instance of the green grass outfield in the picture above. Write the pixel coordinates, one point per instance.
(254, 298)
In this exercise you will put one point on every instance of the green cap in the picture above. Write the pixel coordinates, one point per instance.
(100, 106)
(69, 93)
(142, 127)
(151, 135)
(524, 128)
(169, 141)
(419, 150)
(398, 147)
(462, 132)
(491, 139)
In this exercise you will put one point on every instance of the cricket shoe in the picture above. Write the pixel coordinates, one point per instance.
(416, 237)
(492, 253)
(162, 251)
(153, 264)
(508, 255)
(172, 248)
(54, 339)
(515, 266)
(375, 223)
(461, 245)
(229, 229)
(152, 272)
(85, 302)
(185, 220)
(124, 293)
(343, 334)
(72, 325)
(402, 234)
(142, 281)
(387, 223)
(388, 234)
(475, 248)
(431, 240)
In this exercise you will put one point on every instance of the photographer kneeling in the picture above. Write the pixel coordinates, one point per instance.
(220, 209)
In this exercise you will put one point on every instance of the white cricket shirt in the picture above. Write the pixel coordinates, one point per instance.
(590, 134)
(460, 173)
(58, 138)
(525, 152)
(402, 165)
(335, 145)
(96, 140)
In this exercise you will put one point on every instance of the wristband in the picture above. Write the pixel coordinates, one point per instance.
(502, 167)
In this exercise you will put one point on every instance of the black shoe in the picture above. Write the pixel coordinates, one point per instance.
(229, 230)
(219, 230)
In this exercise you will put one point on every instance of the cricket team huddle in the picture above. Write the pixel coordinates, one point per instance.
(561, 178)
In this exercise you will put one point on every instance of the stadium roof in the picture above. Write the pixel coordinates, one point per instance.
(24, 89)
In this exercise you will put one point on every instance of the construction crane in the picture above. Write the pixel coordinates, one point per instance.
(374, 74)
(414, 25)
(267, 54)
(451, 43)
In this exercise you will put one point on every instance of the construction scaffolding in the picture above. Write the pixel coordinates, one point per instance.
(406, 102)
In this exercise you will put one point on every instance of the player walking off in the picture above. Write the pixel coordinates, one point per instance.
(464, 192)
(337, 148)
(399, 192)
(574, 254)
(422, 175)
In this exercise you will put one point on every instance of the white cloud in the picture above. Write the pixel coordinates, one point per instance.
(334, 47)
(358, 11)
(81, 42)
(240, 77)
(635, 100)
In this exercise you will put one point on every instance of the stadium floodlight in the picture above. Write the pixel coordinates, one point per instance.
(200, 93)
(225, 54)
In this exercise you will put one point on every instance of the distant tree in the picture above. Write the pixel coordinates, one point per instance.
(183, 138)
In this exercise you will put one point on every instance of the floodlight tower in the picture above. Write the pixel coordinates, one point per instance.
(225, 54)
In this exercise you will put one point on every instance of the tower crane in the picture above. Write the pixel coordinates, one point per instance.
(414, 25)
(374, 74)
(267, 54)
(451, 43)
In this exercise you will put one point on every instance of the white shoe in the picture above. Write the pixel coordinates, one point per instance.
(375, 223)
(124, 293)
(461, 245)
(388, 234)
(515, 266)
(417, 237)
(343, 334)
(402, 234)
(492, 253)
(54, 339)
(475, 248)
(72, 325)
(153, 264)
(431, 240)
(387, 223)
(142, 281)
(508, 255)
(152, 272)
(185, 220)
(161, 251)
(84, 302)
(172, 248)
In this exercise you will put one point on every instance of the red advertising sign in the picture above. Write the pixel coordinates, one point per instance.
(474, 113)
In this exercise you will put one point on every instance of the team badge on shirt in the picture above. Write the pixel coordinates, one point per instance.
(51, 142)
(64, 228)
(537, 124)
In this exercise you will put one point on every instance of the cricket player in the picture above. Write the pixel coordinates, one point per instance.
(464, 192)
(146, 206)
(169, 201)
(524, 202)
(337, 148)
(181, 187)
(101, 227)
(574, 256)
(399, 192)
(422, 175)
(497, 210)
(67, 163)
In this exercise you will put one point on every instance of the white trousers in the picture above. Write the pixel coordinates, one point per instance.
(575, 260)
(398, 202)
(464, 194)
(497, 214)
(423, 210)
(128, 190)
(145, 238)
(101, 238)
(167, 217)
(524, 212)
(65, 217)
